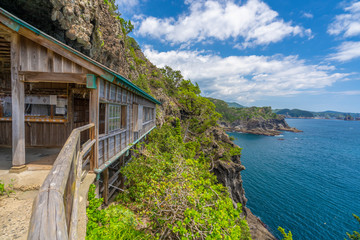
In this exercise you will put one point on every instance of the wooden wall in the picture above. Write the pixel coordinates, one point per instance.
(114, 142)
(37, 134)
(34, 57)
(51, 134)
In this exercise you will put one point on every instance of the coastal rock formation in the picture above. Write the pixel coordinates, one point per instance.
(229, 175)
(349, 118)
(259, 126)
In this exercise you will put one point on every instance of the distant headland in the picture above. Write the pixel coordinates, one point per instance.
(297, 113)
(253, 120)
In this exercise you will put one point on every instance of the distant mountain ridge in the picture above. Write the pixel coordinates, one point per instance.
(297, 113)
(235, 105)
(294, 113)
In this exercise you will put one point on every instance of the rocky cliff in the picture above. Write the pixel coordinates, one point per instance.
(94, 28)
(254, 120)
(259, 126)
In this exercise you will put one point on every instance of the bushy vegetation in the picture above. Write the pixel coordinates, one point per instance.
(6, 189)
(286, 236)
(231, 114)
(143, 83)
(114, 222)
(175, 190)
(355, 235)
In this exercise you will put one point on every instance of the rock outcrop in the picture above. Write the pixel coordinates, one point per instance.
(229, 174)
(259, 126)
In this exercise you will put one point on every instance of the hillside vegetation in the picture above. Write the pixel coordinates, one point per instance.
(230, 114)
(235, 105)
(170, 190)
(294, 113)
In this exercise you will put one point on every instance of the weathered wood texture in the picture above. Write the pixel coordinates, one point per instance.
(42, 132)
(133, 127)
(30, 76)
(36, 58)
(94, 118)
(18, 97)
(53, 215)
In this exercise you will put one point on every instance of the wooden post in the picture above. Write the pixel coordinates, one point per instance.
(70, 113)
(18, 119)
(94, 118)
(106, 185)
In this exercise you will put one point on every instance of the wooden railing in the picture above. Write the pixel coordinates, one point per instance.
(55, 209)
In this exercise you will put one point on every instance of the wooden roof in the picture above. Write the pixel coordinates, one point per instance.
(10, 23)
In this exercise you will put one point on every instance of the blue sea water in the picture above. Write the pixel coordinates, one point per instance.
(309, 182)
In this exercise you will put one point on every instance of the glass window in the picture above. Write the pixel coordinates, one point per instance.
(102, 89)
(112, 92)
(117, 117)
(118, 95)
(148, 114)
(124, 96)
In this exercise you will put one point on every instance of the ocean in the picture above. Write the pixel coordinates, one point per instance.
(309, 182)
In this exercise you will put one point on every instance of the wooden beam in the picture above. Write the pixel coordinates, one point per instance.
(29, 76)
(106, 186)
(70, 112)
(94, 118)
(17, 95)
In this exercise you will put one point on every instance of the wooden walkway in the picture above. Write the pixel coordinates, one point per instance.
(15, 210)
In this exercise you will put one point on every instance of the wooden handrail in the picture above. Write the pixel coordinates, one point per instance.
(54, 213)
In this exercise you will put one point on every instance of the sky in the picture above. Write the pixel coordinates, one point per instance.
(279, 53)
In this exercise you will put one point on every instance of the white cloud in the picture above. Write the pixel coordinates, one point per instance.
(308, 15)
(247, 78)
(348, 23)
(348, 93)
(254, 22)
(127, 5)
(346, 51)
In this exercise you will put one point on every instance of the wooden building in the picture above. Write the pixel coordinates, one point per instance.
(48, 89)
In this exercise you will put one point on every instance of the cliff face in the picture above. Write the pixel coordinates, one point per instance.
(91, 27)
(259, 126)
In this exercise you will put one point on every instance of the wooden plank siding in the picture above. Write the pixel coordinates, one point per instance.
(36, 58)
(112, 143)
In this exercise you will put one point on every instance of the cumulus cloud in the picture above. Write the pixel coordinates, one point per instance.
(247, 78)
(346, 51)
(348, 23)
(254, 22)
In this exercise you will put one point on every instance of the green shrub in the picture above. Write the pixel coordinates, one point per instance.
(6, 189)
(287, 236)
(114, 222)
(355, 235)
(157, 83)
(143, 83)
(155, 73)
